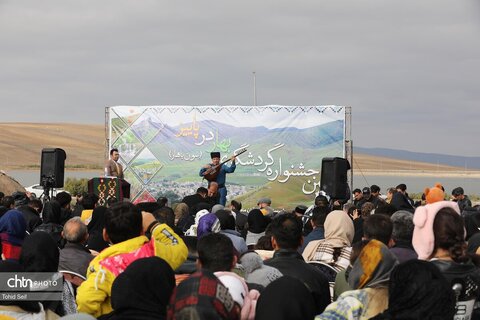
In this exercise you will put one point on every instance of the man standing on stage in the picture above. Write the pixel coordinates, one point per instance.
(112, 167)
(219, 174)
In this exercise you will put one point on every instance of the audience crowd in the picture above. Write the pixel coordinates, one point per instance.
(374, 257)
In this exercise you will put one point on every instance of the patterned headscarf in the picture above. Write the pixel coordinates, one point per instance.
(202, 296)
(372, 267)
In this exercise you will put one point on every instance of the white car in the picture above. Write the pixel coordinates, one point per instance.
(38, 190)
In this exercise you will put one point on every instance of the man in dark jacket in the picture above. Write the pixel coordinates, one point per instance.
(193, 200)
(31, 213)
(74, 256)
(286, 239)
(461, 199)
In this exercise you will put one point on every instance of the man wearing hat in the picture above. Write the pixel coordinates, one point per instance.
(219, 174)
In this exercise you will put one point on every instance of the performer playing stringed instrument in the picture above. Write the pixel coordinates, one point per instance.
(217, 171)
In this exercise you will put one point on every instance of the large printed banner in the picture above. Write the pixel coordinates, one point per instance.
(162, 148)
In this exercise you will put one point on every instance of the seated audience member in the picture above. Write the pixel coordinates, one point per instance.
(264, 204)
(186, 221)
(12, 234)
(418, 290)
(369, 277)
(341, 280)
(256, 272)
(75, 256)
(21, 309)
(149, 206)
(439, 236)
(143, 290)
(192, 231)
(471, 216)
(192, 201)
(162, 201)
(375, 193)
(215, 253)
(7, 203)
(390, 192)
(191, 300)
(379, 227)
(180, 211)
(64, 199)
(40, 254)
(286, 298)
(89, 202)
(95, 240)
(461, 199)
(167, 215)
(316, 221)
(238, 289)
(240, 218)
(124, 226)
(386, 209)
(473, 244)
(189, 266)
(227, 226)
(52, 222)
(286, 239)
(335, 249)
(400, 199)
(402, 234)
(257, 223)
(209, 223)
(31, 212)
(359, 219)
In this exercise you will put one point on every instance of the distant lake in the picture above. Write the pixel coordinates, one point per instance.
(28, 177)
(415, 184)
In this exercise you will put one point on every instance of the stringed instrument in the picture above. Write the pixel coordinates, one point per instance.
(212, 172)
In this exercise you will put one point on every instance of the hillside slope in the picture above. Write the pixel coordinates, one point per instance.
(22, 143)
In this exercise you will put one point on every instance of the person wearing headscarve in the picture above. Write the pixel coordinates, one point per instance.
(207, 224)
(202, 296)
(192, 231)
(439, 236)
(369, 277)
(418, 290)
(143, 290)
(41, 254)
(95, 228)
(286, 298)
(12, 233)
(20, 309)
(336, 248)
(181, 211)
(257, 223)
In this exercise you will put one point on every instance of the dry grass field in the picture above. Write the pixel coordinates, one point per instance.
(21, 145)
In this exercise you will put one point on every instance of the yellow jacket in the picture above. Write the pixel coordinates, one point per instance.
(93, 295)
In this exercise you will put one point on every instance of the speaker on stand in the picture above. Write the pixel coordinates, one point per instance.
(52, 170)
(334, 177)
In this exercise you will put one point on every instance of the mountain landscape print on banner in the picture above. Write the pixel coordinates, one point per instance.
(275, 157)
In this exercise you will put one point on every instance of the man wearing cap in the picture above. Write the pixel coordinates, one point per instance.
(264, 206)
(461, 199)
(221, 173)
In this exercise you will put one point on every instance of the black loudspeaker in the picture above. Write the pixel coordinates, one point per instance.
(52, 167)
(334, 177)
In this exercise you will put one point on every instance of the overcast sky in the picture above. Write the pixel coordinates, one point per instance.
(410, 70)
